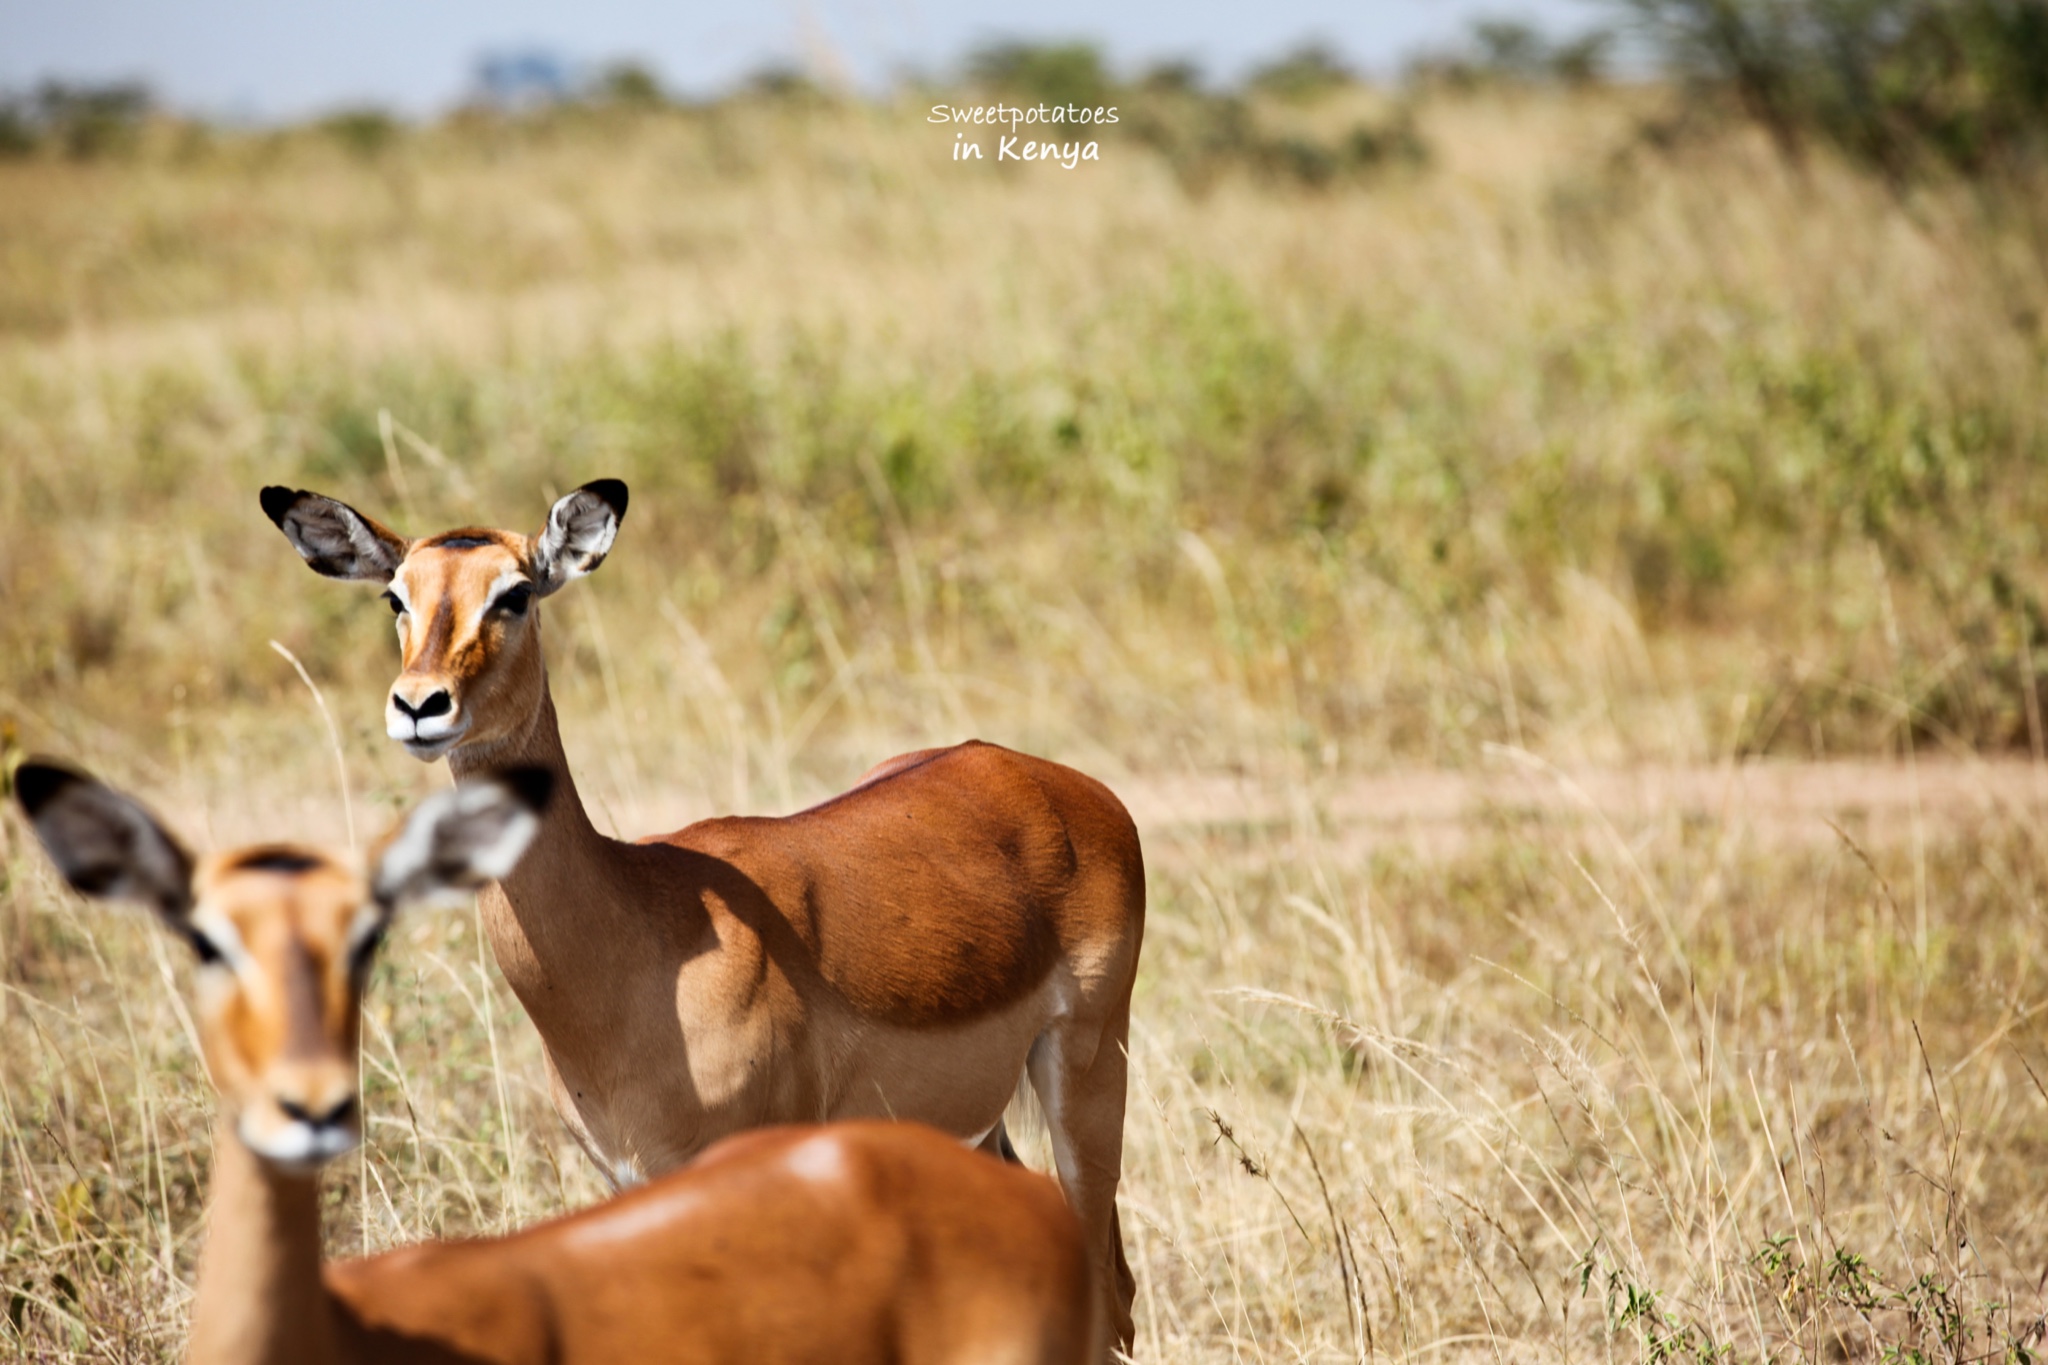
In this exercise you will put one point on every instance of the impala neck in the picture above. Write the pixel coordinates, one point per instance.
(260, 1299)
(537, 744)
(569, 862)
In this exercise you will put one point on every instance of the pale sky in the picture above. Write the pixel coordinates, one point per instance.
(270, 59)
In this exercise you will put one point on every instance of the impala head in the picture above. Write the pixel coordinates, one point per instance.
(284, 933)
(468, 631)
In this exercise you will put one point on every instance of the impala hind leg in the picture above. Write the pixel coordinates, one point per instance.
(1079, 1075)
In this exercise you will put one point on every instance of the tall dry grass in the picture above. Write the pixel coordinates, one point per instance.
(1550, 444)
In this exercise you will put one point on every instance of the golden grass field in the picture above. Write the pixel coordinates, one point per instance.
(1564, 614)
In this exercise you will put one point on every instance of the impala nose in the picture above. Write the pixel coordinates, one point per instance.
(312, 1115)
(336, 1114)
(434, 704)
(424, 716)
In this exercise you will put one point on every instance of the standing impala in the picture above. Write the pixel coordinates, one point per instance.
(865, 1243)
(907, 949)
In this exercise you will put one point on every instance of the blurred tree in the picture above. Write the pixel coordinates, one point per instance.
(1510, 46)
(1582, 60)
(787, 84)
(1172, 78)
(629, 84)
(18, 134)
(1498, 50)
(88, 121)
(1055, 74)
(365, 131)
(1310, 72)
(81, 121)
(1902, 85)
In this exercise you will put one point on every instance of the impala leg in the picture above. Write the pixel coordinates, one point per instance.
(1080, 1083)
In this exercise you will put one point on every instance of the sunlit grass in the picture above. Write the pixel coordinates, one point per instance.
(1464, 1102)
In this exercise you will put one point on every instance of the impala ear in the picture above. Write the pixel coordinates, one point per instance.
(334, 538)
(105, 844)
(458, 840)
(578, 535)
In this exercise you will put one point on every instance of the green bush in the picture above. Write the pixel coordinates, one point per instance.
(1510, 51)
(1308, 73)
(366, 131)
(629, 84)
(80, 121)
(1056, 74)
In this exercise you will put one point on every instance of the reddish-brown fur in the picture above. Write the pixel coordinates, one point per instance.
(919, 1250)
(904, 950)
(933, 895)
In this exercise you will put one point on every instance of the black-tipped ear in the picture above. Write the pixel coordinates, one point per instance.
(105, 844)
(613, 491)
(333, 538)
(579, 534)
(35, 784)
(458, 840)
(277, 500)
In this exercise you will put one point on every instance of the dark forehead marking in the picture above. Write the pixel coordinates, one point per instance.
(460, 540)
(275, 858)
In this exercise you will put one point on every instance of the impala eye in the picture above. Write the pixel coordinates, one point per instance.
(514, 599)
(397, 604)
(207, 952)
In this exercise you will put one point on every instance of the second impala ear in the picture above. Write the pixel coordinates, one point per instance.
(578, 535)
(106, 845)
(458, 840)
(333, 538)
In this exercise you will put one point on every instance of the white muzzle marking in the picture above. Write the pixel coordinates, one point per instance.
(297, 1145)
(425, 737)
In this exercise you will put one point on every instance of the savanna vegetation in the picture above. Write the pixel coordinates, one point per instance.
(1320, 440)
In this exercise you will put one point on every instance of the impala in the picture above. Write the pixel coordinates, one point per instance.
(860, 1242)
(911, 948)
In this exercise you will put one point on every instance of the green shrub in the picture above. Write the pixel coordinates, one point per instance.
(1054, 74)
(1310, 72)
(80, 121)
(1510, 51)
(364, 131)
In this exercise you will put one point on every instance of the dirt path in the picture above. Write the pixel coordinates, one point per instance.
(1428, 811)
(1435, 811)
